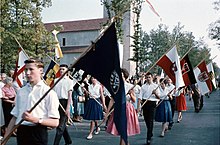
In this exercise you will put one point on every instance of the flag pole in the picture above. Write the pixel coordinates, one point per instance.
(32, 108)
(20, 46)
(46, 93)
(212, 59)
(143, 77)
(200, 62)
(187, 52)
(154, 65)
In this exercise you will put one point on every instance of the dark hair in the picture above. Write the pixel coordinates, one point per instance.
(125, 73)
(64, 65)
(163, 80)
(37, 61)
(149, 74)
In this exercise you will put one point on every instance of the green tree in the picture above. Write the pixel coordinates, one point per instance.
(21, 19)
(117, 8)
(214, 28)
(159, 41)
(136, 9)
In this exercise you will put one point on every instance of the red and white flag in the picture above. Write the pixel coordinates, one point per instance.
(20, 67)
(211, 73)
(170, 63)
(202, 78)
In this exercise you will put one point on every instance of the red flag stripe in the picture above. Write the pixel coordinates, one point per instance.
(203, 68)
(166, 61)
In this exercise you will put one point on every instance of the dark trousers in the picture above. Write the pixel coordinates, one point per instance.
(75, 102)
(196, 100)
(173, 107)
(32, 135)
(149, 112)
(7, 107)
(61, 130)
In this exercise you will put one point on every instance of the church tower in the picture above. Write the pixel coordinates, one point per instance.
(128, 30)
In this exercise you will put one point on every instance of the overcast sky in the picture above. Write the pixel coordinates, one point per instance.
(195, 15)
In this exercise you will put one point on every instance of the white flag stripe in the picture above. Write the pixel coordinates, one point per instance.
(21, 58)
(211, 69)
(174, 57)
(201, 84)
(20, 67)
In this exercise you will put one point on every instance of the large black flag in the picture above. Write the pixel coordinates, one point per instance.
(102, 62)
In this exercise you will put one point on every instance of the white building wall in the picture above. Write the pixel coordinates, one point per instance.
(78, 38)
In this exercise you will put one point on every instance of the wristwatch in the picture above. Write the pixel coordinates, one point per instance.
(40, 120)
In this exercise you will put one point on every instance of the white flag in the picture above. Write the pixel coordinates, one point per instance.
(202, 78)
(20, 67)
(211, 73)
(170, 63)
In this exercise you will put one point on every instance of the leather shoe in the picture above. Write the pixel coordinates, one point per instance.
(89, 137)
(97, 131)
(162, 134)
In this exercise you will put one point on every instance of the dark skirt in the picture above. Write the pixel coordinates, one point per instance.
(163, 112)
(93, 110)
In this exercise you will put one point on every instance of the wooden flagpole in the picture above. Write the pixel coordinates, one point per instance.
(19, 45)
(199, 63)
(212, 59)
(186, 53)
(4, 141)
(140, 80)
(69, 68)
(59, 103)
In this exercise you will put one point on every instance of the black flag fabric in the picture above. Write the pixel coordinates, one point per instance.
(187, 71)
(102, 62)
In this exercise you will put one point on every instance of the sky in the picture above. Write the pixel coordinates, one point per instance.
(194, 15)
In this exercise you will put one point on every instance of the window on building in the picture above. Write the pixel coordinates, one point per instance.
(64, 41)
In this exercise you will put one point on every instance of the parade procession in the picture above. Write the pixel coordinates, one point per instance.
(106, 80)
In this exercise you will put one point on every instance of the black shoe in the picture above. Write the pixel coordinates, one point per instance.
(68, 143)
(169, 127)
(197, 110)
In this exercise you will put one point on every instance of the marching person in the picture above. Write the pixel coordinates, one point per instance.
(93, 108)
(8, 100)
(133, 126)
(163, 111)
(33, 131)
(172, 99)
(64, 92)
(149, 93)
(181, 102)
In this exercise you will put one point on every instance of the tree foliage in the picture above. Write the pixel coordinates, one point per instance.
(21, 20)
(160, 40)
(214, 28)
(117, 8)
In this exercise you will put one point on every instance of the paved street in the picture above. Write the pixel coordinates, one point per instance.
(201, 128)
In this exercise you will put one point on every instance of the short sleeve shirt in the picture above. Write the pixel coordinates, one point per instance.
(63, 87)
(27, 96)
(146, 92)
(95, 90)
